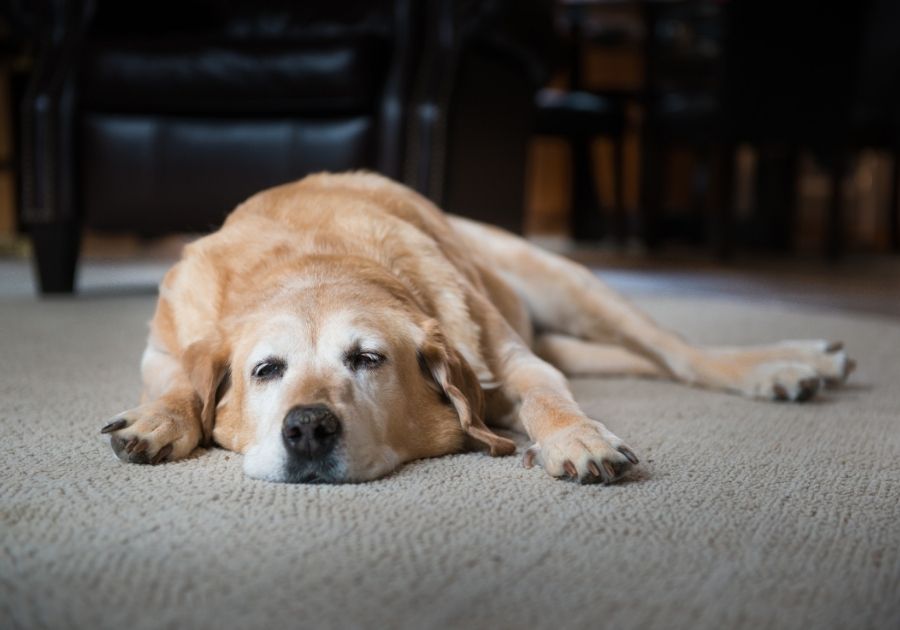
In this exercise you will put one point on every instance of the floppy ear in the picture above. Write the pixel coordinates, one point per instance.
(451, 375)
(206, 362)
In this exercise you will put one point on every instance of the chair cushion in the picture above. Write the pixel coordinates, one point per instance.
(228, 77)
(159, 174)
(686, 115)
(577, 114)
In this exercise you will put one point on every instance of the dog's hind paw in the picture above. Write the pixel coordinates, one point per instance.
(791, 371)
(829, 359)
(783, 381)
(799, 378)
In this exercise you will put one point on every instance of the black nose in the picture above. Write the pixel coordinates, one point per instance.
(311, 430)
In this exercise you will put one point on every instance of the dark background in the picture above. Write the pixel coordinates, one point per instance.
(724, 127)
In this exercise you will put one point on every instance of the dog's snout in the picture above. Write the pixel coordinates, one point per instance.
(311, 430)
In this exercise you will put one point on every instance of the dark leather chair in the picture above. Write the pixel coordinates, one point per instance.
(156, 116)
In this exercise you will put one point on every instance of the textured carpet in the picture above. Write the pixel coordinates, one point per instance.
(744, 514)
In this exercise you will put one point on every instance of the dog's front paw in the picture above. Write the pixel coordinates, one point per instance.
(586, 452)
(150, 434)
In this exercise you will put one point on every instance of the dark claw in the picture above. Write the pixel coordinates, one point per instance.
(115, 425)
(162, 454)
(628, 453)
(835, 346)
(849, 366)
(780, 392)
(528, 458)
(120, 447)
(610, 471)
(570, 469)
(808, 389)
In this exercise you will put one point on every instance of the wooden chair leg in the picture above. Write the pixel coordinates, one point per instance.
(586, 218)
(723, 202)
(620, 221)
(894, 207)
(651, 195)
(776, 194)
(834, 236)
(701, 192)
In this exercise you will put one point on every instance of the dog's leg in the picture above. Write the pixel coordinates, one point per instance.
(576, 357)
(166, 426)
(829, 365)
(566, 442)
(562, 296)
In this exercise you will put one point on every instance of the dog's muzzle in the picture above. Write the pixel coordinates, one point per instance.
(310, 434)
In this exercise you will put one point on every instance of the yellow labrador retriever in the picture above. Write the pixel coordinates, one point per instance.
(339, 326)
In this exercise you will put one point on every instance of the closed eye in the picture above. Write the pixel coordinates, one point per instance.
(358, 359)
(269, 369)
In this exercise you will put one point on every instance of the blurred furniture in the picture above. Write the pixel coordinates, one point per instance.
(682, 110)
(155, 117)
(875, 119)
(580, 116)
(791, 85)
(160, 116)
(780, 77)
(472, 110)
(12, 63)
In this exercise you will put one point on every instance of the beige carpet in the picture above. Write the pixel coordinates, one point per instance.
(745, 515)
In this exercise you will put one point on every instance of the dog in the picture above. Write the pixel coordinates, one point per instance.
(339, 326)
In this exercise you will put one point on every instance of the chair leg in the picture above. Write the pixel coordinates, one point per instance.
(620, 220)
(701, 192)
(834, 238)
(894, 207)
(723, 202)
(586, 219)
(776, 194)
(651, 196)
(56, 248)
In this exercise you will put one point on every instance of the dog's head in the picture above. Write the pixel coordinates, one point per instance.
(336, 383)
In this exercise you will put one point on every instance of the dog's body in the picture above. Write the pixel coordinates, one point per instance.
(341, 325)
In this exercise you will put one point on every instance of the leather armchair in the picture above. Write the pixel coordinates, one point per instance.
(157, 116)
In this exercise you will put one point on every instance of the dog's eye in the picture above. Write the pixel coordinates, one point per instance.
(268, 369)
(363, 360)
